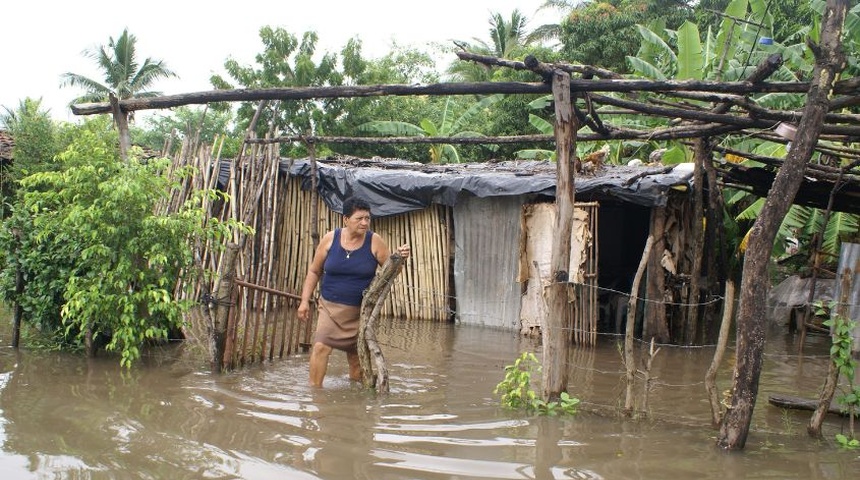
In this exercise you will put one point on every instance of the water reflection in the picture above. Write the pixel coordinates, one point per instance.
(62, 416)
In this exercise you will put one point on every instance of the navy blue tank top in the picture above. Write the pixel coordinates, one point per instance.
(346, 275)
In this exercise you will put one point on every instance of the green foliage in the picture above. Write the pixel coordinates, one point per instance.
(691, 61)
(202, 125)
(603, 32)
(508, 39)
(730, 54)
(94, 255)
(801, 223)
(847, 443)
(400, 65)
(286, 62)
(36, 143)
(516, 392)
(451, 124)
(841, 329)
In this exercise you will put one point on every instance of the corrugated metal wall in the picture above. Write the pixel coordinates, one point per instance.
(486, 261)
(848, 278)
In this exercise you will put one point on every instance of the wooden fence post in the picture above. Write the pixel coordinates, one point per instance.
(556, 338)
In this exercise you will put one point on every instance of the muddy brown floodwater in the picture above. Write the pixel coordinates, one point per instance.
(62, 416)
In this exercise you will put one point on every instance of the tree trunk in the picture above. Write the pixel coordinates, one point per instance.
(120, 118)
(556, 338)
(371, 305)
(217, 319)
(19, 310)
(751, 314)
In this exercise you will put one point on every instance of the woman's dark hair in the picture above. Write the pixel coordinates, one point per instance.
(353, 204)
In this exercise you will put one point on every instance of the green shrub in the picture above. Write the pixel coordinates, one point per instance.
(94, 254)
(516, 392)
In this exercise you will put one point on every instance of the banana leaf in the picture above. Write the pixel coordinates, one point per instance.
(840, 226)
(476, 109)
(729, 33)
(660, 45)
(690, 58)
(392, 128)
(645, 69)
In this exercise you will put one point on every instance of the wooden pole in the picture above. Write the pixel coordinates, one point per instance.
(629, 361)
(315, 198)
(816, 261)
(655, 326)
(646, 383)
(556, 341)
(719, 351)
(444, 89)
(702, 155)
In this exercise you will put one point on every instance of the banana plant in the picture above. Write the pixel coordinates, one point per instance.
(800, 223)
(730, 55)
(447, 127)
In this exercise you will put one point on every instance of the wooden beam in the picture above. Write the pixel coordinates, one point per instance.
(452, 88)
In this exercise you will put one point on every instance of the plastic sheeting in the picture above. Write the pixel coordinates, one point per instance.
(395, 186)
(793, 292)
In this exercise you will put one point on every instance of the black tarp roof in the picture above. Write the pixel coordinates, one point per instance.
(397, 186)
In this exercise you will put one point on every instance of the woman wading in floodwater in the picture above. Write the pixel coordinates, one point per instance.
(346, 262)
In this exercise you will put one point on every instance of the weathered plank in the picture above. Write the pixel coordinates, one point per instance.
(798, 403)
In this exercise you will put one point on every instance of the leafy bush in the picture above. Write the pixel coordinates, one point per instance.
(94, 255)
(842, 328)
(517, 394)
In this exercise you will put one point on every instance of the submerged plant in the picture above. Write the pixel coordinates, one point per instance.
(516, 392)
(841, 356)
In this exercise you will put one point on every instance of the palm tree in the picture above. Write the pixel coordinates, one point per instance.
(552, 31)
(123, 76)
(506, 39)
(507, 36)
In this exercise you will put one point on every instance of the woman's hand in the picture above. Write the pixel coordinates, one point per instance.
(404, 250)
(304, 310)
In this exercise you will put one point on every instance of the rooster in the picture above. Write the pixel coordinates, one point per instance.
(594, 161)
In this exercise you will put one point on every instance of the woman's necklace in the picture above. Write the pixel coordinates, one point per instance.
(348, 251)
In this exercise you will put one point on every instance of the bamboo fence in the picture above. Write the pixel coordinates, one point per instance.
(584, 319)
(262, 323)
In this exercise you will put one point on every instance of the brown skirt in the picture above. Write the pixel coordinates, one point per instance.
(337, 325)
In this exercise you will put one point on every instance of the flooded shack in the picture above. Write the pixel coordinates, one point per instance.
(480, 235)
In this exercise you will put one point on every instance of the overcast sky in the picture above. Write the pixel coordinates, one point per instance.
(43, 39)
